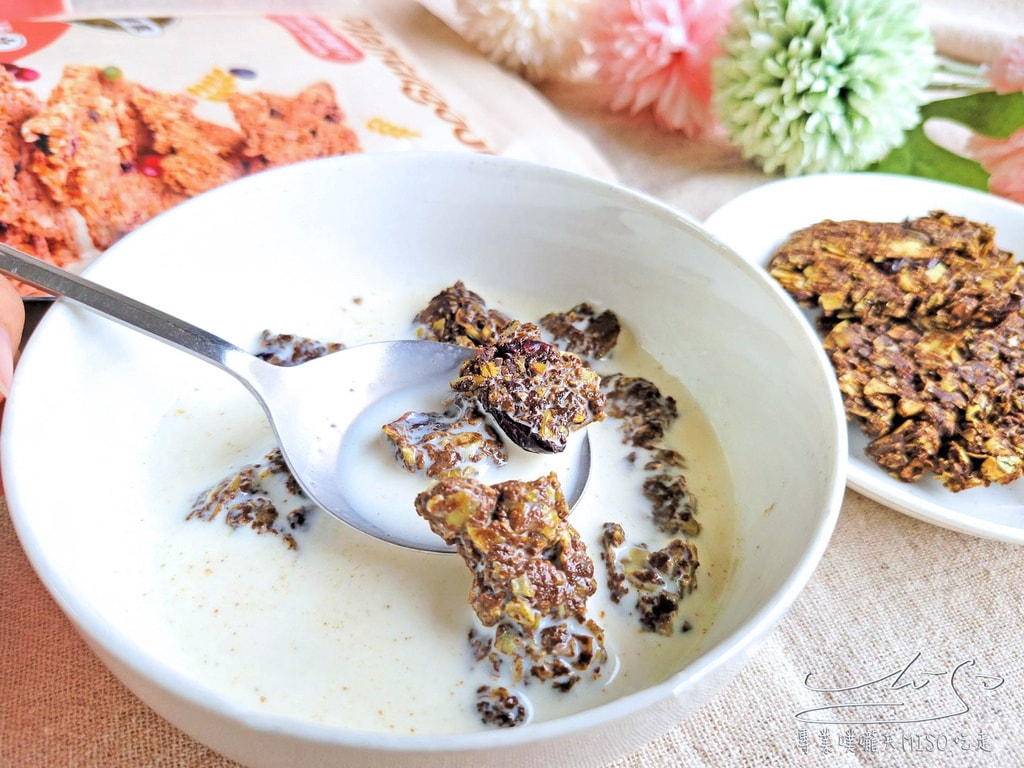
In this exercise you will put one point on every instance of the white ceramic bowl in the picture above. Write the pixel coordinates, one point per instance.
(94, 405)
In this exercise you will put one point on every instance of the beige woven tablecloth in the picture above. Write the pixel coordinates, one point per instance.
(891, 594)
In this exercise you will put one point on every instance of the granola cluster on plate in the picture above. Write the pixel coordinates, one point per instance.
(923, 323)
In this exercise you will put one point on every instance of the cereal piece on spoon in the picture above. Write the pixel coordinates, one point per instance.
(446, 444)
(290, 349)
(537, 394)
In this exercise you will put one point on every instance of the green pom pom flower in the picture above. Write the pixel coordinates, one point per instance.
(808, 86)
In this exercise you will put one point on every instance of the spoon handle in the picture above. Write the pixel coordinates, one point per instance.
(123, 309)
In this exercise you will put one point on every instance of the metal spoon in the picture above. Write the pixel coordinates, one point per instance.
(312, 407)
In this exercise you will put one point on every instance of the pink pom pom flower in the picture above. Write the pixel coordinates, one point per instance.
(1007, 72)
(657, 54)
(1004, 160)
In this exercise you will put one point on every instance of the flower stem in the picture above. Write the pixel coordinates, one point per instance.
(950, 73)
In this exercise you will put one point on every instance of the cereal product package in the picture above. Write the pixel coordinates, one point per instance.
(107, 122)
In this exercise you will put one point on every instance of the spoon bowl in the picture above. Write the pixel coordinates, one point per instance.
(318, 410)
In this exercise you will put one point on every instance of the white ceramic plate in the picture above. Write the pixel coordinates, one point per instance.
(755, 223)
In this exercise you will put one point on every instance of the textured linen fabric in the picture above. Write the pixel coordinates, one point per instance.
(895, 601)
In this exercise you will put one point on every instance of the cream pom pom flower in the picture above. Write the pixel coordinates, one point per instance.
(657, 54)
(538, 39)
(806, 86)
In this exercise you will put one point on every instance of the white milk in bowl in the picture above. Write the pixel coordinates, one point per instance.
(298, 615)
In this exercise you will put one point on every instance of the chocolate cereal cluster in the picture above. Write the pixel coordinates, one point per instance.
(922, 321)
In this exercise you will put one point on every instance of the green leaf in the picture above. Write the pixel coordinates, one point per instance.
(986, 112)
(920, 156)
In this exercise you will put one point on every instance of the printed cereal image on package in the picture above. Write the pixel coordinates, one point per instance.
(105, 123)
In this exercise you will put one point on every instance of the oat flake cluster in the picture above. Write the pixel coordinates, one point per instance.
(924, 325)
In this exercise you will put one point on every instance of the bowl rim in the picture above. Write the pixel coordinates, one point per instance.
(727, 654)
